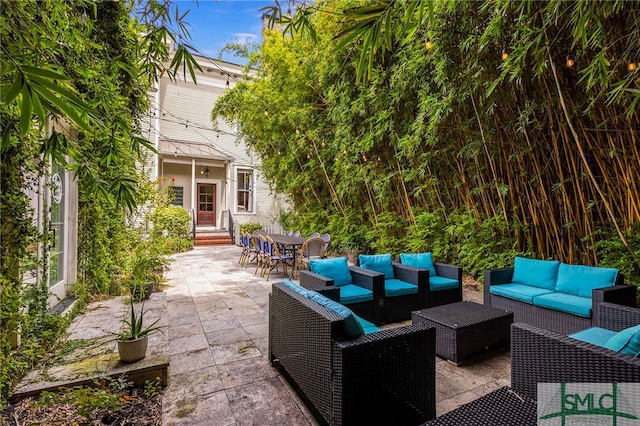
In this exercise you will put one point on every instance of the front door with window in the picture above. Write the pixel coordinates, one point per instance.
(206, 204)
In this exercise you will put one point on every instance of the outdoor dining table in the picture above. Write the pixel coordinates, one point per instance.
(289, 242)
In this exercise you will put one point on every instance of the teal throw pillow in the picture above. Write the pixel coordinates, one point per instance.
(379, 263)
(626, 341)
(419, 260)
(335, 268)
(536, 273)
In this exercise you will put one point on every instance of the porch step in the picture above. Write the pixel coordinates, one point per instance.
(219, 238)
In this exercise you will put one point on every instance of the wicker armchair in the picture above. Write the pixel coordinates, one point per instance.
(435, 298)
(364, 278)
(541, 356)
(386, 377)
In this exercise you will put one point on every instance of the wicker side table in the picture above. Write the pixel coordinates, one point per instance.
(466, 329)
(502, 407)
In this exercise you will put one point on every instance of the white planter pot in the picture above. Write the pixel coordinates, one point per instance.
(132, 350)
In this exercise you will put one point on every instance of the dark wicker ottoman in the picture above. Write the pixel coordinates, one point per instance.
(466, 329)
(502, 407)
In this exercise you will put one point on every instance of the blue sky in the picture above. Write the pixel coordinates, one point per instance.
(215, 23)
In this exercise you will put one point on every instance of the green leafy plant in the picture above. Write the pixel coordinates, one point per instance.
(134, 327)
(250, 227)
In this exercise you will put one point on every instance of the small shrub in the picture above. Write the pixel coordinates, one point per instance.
(250, 227)
(173, 219)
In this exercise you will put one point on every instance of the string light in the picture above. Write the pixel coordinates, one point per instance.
(201, 171)
(570, 61)
(266, 113)
(227, 83)
(186, 124)
(632, 66)
(297, 131)
(175, 154)
(505, 54)
(428, 44)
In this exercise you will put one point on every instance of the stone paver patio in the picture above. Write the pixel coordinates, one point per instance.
(219, 372)
(216, 340)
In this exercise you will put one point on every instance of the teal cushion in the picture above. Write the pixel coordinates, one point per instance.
(295, 287)
(594, 335)
(394, 288)
(335, 268)
(379, 263)
(367, 326)
(521, 292)
(352, 293)
(437, 283)
(569, 303)
(351, 325)
(537, 273)
(626, 341)
(419, 260)
(579, 280)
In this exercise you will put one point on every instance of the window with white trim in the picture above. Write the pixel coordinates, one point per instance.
(245, 190)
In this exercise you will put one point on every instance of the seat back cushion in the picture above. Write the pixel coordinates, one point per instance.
(335, 268)
(378, 262)
(626, 341)
(368, 327)
(419, 260)
(580, 280)
(536, 273)
(295, 287)
(351, 325)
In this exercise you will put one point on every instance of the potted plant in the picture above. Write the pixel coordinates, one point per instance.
(134, 337)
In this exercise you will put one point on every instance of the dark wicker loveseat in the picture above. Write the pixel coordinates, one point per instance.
(551, 319)
(541, 356)
(386, 377)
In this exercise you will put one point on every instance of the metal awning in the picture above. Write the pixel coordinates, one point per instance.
(192, 150)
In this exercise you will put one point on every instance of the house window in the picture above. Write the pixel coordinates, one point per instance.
(57, 225)
(245, 190)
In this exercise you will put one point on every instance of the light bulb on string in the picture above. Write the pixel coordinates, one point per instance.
(632, 66)
(297, 131)
(201, 171)
(175, 154)
(227, 83)
(570, 61)
(505, 54)
(266, 113)
(428, 44)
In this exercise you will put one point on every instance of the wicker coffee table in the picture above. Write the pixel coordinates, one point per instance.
(466, 329)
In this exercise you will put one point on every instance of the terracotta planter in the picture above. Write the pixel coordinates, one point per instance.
(132, 350)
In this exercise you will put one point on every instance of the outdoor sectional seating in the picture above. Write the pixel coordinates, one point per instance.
(404, 286)
(555, 296)
(443, 281)
(351, 377)
(359, 289)
(542, 356)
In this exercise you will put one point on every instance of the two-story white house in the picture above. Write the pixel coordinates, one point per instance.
(208, 168)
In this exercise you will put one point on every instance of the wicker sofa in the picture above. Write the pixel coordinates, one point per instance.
(384, 377)
(542, 356)
(542, 293)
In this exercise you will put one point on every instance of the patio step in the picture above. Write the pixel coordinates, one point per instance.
(215, 238)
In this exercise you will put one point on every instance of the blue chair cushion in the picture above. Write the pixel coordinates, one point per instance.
(626, 341)
(351, 325)
(335, 268)
(437, 283)
(594, 335)
(569, 303)
(419, 260)
(579, 280)
(368, 326)
(378, 262)
(521, 292)
(394, 288)
(351, 293)
(295, 287)
(536, 273)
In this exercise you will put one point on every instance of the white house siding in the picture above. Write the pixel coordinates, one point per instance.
(188, 144)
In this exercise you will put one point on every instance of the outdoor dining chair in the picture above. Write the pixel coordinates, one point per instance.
(313, 248)
(274, 258)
